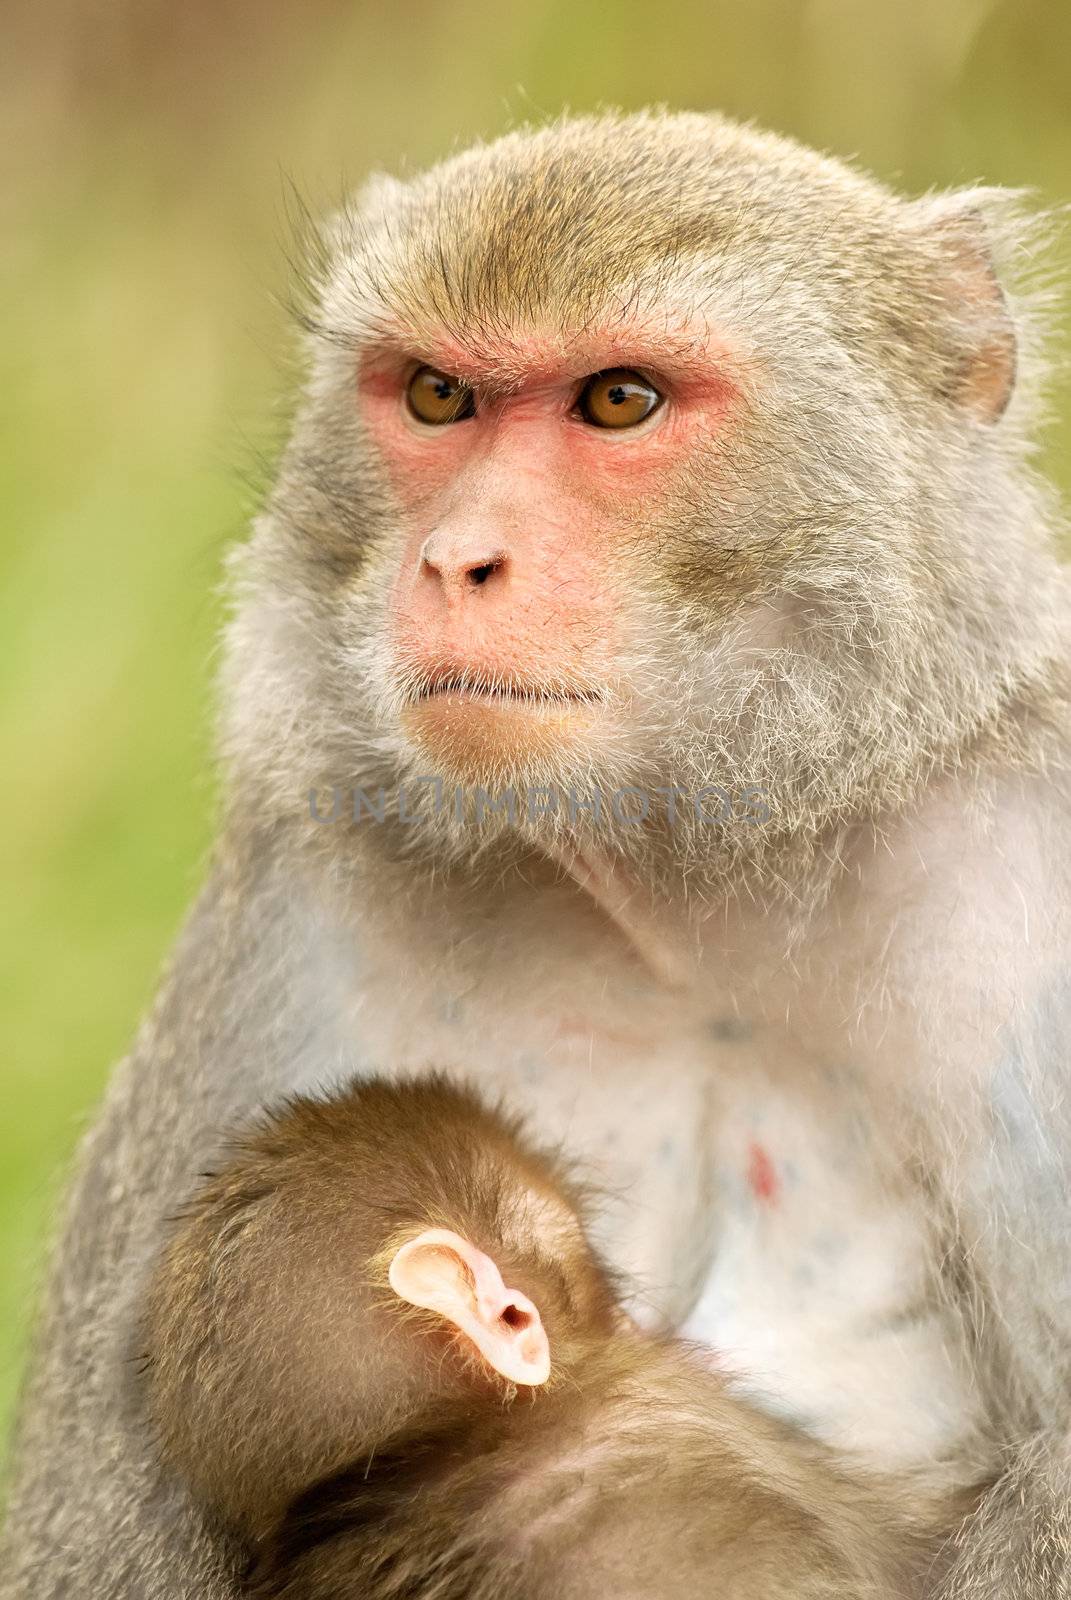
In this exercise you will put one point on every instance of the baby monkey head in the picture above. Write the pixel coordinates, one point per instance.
(381, 1261)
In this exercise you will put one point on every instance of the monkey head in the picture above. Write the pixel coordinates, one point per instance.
(646, 451)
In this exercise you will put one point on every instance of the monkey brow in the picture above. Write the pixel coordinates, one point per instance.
(502, 359)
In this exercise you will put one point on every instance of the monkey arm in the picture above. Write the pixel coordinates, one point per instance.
(1017, 1546)
(90, 1512)
(1015, 1206)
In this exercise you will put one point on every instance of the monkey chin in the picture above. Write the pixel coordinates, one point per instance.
(499, 738)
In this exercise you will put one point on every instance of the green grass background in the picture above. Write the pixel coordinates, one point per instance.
(146, 152)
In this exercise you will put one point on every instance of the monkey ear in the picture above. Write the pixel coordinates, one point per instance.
(443, 1272)
(982, 368)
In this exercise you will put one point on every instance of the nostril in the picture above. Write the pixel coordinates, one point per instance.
(458, 563)
(480, 574)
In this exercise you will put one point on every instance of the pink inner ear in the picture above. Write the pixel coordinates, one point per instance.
(987, 385)
(442, 1272)
(988, 377)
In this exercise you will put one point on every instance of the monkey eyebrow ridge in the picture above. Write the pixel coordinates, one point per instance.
(502, 362)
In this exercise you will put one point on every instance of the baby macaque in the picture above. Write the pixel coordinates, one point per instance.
(384, 1354)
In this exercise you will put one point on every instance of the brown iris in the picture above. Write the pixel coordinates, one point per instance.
(619, 398)
(435, 397)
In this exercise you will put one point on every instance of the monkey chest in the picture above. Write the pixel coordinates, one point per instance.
(744, 1193)
(821, 1292)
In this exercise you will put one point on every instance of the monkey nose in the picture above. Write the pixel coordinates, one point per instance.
(457, 565)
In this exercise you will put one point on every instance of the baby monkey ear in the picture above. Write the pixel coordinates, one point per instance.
(440, 1271)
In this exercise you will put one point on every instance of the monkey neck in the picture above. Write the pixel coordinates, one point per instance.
(666, 942)
(670, 921)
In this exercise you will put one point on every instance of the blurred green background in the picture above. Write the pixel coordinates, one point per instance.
(148, 149)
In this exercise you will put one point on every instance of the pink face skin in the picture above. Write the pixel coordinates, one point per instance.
(518, 517)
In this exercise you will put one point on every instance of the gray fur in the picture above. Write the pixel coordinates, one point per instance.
(879, 515)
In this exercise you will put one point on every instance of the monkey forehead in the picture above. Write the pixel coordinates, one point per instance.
(588, 222)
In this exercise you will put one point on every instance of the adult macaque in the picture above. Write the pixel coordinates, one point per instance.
(639, 456)
(361, 1449)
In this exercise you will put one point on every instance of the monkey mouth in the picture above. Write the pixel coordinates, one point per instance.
(486, 726)
(507, 692)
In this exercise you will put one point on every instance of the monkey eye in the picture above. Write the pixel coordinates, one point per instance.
(435, 397)
(619, 398)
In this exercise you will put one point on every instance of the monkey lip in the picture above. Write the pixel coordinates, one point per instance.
(486, 727)
(505, 694)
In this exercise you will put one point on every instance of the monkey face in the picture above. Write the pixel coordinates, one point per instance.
(633, 455)
(514, 620)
